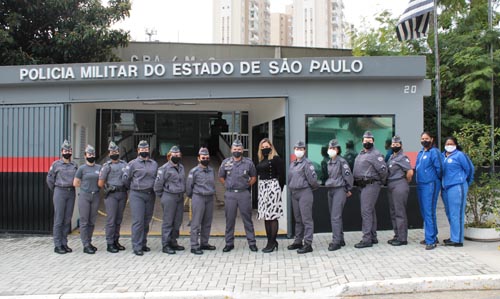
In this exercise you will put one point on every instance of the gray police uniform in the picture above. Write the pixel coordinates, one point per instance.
(339, 182)
(116, 198)
(370, 172)
(200, 186)
(139, 176)
(60, 181)
(302, 180)
(237, 174)
(170, 186)
(88, 200)
(397, 184)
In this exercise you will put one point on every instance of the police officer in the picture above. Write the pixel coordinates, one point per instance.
(86, 178)
(400, 174)
(115, 198)
(339, 184)
(60, 182)
(200, 186)
(370, 173)
(170, 186)
(238, 174)
(139, 176)
(302, 180)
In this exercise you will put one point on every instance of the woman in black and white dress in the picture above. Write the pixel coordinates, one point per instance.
(271, 180)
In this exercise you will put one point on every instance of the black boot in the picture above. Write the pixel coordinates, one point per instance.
(267, 225)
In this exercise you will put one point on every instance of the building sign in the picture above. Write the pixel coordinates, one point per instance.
(213, 68)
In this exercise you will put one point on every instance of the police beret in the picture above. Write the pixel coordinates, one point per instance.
(90, 149)
(113, 147)
(66, 145)
(175, 149)
(203, 151)
(300, 144)
(396, 139)
(333, 143)
(143, 144)
(368, 134)
(237, 143)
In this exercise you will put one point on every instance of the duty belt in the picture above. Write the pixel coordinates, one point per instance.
(71, 188)
(363, 183)
(236, 190)
(148, 191)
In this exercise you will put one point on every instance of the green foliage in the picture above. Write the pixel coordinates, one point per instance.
(60, 31)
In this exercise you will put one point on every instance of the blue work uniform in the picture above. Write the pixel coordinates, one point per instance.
(428, 171)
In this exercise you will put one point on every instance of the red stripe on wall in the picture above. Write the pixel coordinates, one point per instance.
(26, 164)
(413, 158)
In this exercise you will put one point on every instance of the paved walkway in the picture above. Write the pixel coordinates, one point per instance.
(29, 267)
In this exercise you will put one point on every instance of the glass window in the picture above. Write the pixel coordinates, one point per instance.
(348, 130)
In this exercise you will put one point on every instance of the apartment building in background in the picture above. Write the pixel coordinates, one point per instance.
(281, 27)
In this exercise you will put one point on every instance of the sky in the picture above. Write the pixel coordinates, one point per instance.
(191, 20)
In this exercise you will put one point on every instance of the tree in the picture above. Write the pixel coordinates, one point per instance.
(60, 31)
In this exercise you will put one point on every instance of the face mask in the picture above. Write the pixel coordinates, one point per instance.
(114, 157)
(205, 162)
(175, 160)
(367, 145)
(144, 154)
(237, 154)
(299, 154)
(266, 151)
(91, 159)
(426, 143)
(450, 148)
(332, 153)
(66, 156)
(396, 149)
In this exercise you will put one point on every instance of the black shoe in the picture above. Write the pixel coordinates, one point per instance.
(197, 251)
(454, 244)
(93, 247)
(253, 248)
(430, 246)
(398, 243)
(391, 240)
(146, 249)
(119, 246)
(112, 248)
(138, 252)
(363, 245)
(375, 241)
(305, 249)
(436, 242)
(207, 247)
(269, 249)
(177, 247)
(228, 248)
(65, 247)
(168, 249)
(60, 250)
(295, 246)
(88, 249)
(333, 247)
(342, 243)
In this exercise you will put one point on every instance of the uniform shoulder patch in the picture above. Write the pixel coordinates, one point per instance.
(380, 159)
(346, 166)
(311, 167)
(160, 171)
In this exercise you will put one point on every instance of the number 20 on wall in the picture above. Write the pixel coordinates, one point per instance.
(410, 89)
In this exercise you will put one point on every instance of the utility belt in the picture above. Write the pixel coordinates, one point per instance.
(364, 183)
(147, 191)
(71, 188)
(112, 189)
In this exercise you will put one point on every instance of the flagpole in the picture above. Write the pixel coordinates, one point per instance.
(492, 98)
(437, 82)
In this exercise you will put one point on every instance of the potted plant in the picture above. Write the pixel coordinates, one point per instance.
(483, 199)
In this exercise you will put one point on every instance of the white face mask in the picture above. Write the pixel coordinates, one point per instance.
(450, 148)
(299, 154)
(332, 153)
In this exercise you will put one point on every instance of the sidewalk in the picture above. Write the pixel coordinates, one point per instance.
(29, 267)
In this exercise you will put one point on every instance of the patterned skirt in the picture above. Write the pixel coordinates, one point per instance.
(270, 206)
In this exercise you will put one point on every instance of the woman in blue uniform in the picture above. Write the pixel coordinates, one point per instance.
(458, 174)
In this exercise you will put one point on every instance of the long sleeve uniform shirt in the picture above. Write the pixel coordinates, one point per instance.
(200, 181)
(140, 174)
(301, 175)
(170, 178)
(429, 166)
(339, 174)
(61, 174)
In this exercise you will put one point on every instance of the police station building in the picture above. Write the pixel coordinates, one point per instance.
(171, 94)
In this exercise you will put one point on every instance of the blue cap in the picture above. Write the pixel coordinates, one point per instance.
(66, 145)
(143, 144)
(175, 149)
(113, 147)
(203, 151)
(237, 143)
(368, 134)
(90, 149)
(300, 144)
(333, 143)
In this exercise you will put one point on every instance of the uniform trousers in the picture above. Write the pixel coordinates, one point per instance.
(115, 205)
(64, 203)
(141, 207)
(202, 207)
(427, 198)
(368, 199)
(302, 204)
(455, 198)
(88, 204)
(398, 198)
(336, 201)
(173, 210)
(243, 202)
